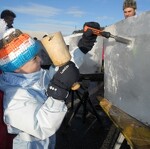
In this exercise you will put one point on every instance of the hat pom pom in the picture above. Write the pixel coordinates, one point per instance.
(3, 27)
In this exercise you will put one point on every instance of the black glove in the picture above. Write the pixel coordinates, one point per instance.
(106, 34)
(88, 38)
(63, 80)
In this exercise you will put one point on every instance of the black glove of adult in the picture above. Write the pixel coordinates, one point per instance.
(63, 80)
(88, 38)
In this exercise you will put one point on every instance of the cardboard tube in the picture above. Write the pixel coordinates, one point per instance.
(58, 51)
(56, 48)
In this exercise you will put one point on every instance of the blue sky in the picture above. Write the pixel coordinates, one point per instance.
(66, 15)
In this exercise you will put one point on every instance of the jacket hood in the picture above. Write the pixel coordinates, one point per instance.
(18, 79)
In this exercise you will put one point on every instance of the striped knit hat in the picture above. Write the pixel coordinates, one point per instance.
(16, 49)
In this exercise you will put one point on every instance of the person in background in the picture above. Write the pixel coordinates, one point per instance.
(129, 8)
(9, 17)
(34, 98)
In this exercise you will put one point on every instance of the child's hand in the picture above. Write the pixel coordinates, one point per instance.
(63, 80)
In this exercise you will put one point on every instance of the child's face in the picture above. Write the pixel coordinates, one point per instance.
(32, 66)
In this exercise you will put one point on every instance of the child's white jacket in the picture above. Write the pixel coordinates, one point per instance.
(28, 112)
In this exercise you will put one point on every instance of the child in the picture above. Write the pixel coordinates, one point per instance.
(34, 98)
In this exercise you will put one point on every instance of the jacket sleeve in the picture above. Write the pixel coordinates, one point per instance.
(77, 57)
(31, 116)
